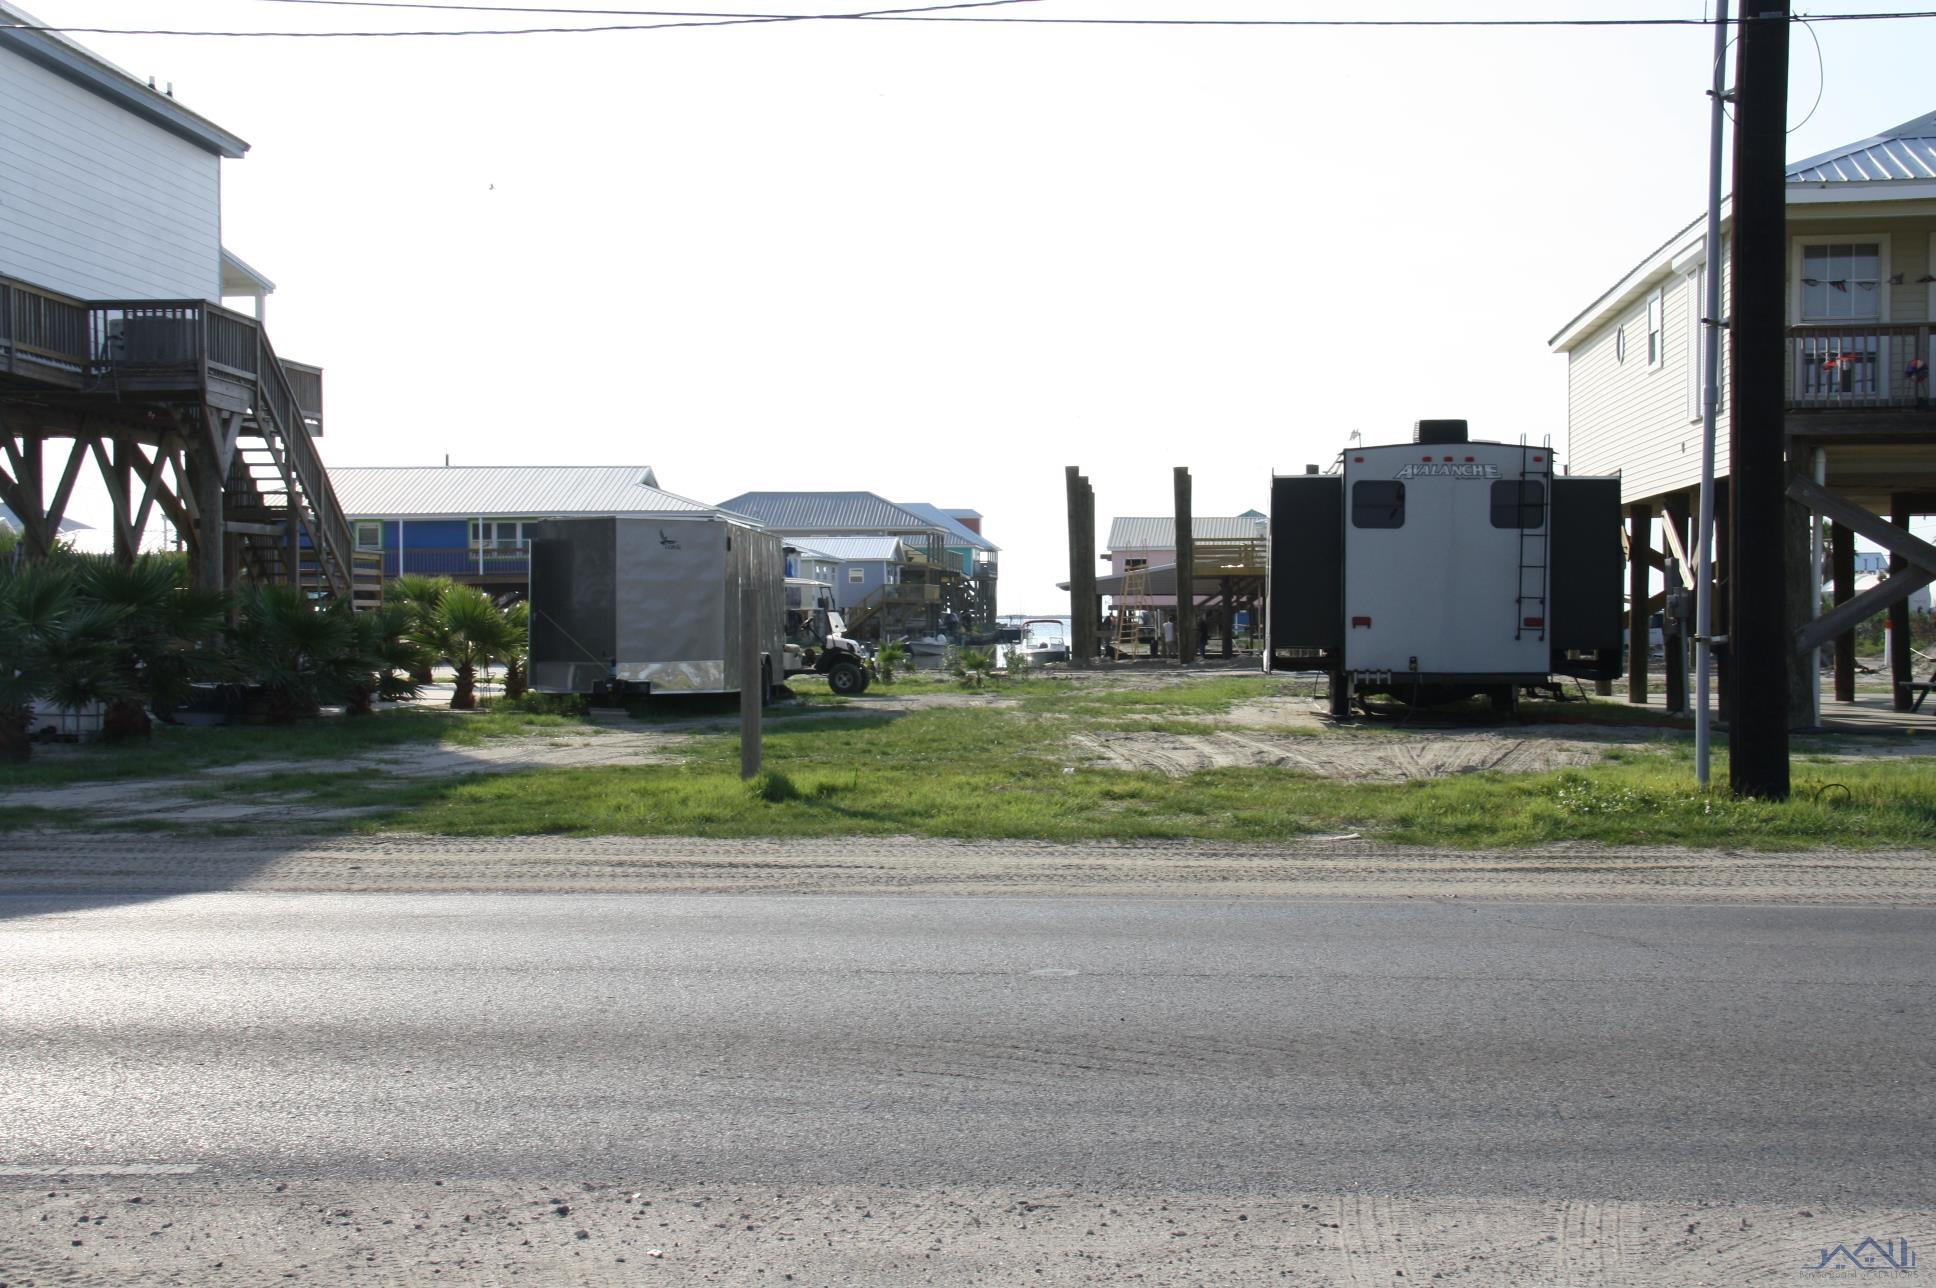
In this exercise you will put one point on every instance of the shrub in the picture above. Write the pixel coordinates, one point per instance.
(541, 704)
(888, 659)
(772, 786)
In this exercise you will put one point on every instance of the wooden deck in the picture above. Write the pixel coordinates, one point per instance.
(157, 385)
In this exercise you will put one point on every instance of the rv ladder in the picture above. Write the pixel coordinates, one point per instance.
(1529, 608)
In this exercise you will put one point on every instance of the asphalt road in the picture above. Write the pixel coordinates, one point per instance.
(1719, 1053)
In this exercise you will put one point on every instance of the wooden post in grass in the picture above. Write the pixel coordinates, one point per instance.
(750, 686)
(1186, 570)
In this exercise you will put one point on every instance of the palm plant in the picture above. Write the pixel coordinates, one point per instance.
(163, 632)
(517, 656)
(302, 653)
(889, 659)
(971, 665)
(53, 647)
(421, 595)
(468, 631)
(388, 655)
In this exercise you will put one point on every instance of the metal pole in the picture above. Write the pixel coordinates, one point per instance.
(1710, 400)
(751, 689)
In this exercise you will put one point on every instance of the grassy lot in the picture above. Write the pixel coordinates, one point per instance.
(172, 750)
(983, 772)
(1001, 769)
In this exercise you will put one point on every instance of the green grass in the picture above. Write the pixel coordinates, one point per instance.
(1003, 769)
(171, 750)
(981, 773)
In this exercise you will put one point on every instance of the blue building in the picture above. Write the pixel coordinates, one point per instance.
(471, 522)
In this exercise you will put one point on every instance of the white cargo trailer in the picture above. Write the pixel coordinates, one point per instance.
(624, 606)
(1444, 568)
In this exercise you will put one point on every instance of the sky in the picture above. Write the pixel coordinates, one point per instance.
(942, 260)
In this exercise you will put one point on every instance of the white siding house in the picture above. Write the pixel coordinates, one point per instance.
(1861, 301)
(108, 189)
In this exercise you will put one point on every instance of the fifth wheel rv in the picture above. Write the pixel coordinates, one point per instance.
(1444, 569)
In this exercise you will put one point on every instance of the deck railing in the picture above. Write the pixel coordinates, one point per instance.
(1856, 365)
(459, 561)
(162, 345)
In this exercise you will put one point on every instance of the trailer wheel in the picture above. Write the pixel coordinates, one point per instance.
(846, 679)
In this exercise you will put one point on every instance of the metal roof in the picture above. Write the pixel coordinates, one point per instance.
(34, 40)
(1906, 152)
(961, 534)
(513, 491)
(861, 549)
(803, 512)
(1160, 533)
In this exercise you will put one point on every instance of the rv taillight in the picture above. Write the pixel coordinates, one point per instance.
(1538, 459)
(1360, 621)
(1469, 460)
(1537, 623)
(1357, 460)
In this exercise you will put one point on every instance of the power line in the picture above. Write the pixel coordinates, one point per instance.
(688, 18)
(683, 18)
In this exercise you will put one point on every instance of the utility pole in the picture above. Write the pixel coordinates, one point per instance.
(1758, 635)
(1186, 571)
(1082, 568)
(1705, 528)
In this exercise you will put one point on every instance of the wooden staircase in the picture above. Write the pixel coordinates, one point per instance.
(278, 502)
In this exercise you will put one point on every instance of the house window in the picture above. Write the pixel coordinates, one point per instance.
(1378, 503)
(1620, 344)
(1657, 328)
(369, 536)
(1842, 281)
(499, 536)
(1519, 503)
(856, 575)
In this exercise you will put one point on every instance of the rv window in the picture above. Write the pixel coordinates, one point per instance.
(1378, 503)
(1518, 503)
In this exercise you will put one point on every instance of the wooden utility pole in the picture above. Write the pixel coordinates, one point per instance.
(752, 689)
(1186, 571)
(1758, 627)
(1082, 568)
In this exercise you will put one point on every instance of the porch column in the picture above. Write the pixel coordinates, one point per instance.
(209, 560)
(1901, 670)
(1842, 557)
(1674, 634)
(1801, 592)
(1228, 619)
(1640, 522)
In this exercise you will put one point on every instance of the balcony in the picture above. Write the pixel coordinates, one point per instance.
(493, 563)
(1860, 366)
(157, 347)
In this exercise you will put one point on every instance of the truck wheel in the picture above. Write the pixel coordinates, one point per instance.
(846, 679)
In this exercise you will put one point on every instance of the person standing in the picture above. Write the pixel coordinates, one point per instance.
(1169, 635)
